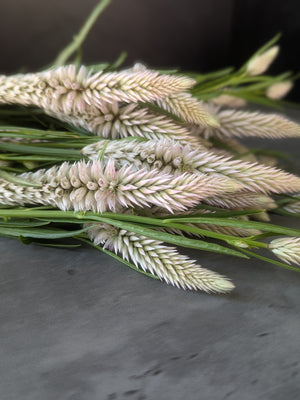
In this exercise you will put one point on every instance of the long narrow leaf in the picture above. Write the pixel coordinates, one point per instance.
(49, 233)
(238, 224)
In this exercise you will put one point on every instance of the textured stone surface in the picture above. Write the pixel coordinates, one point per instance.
(78, 325)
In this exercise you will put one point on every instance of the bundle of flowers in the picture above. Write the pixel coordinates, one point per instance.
(133, 160)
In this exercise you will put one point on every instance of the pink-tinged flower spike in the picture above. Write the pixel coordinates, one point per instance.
(160, 260)
(169, 156)
(238, 123)
(287, 249)
(94, 187)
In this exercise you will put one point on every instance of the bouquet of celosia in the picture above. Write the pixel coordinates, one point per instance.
(142, 157)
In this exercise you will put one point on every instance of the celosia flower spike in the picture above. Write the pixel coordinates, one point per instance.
(237, 123)
(160, 260)
(66, 89)
(170, 156)
(95, 187)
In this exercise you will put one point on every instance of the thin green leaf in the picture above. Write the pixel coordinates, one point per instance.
(57, 245)
(49, 233)
(115, 256)
(169, 238)
(159, 110)
(269, 260)
(23, 224)
(119, 61)
(200, 78)
(78, 40)
(256, 99)
(39, 150)
(91, 217)
(215, 214)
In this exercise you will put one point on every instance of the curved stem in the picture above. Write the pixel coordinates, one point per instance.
(66, 53)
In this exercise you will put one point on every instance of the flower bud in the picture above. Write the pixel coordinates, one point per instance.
(287, 249)
(229, 101)
(259, 64)
(279, 90)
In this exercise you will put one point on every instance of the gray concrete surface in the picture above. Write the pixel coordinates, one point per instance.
(77, 325)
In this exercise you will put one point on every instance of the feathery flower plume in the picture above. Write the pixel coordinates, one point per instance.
(169, 156)
(279, 90)
(82, 97)
(287, 249)
(66, 89)
(160, 260)
(188, 108)
(260, 63)
(92, 186)
(250, 124)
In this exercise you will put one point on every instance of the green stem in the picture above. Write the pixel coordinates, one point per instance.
(78, 39)
(269, 260)
(239, 224)
(131, 226)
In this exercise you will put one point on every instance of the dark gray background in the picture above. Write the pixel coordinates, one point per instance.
(191, 34)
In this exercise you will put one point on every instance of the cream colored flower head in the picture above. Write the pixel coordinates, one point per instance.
(287, 249)
(259, 64)
(279, 90)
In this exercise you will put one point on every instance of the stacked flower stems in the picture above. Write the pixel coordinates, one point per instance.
(137, 161)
